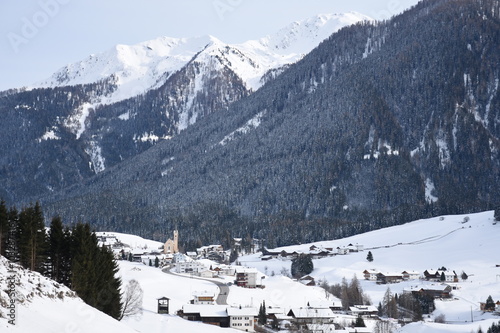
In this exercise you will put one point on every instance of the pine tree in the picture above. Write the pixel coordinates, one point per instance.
(32, 238)
(369, 257)
(359, 322)
(4, 228)
(262, 316)
(157, 262)
(59, 252)
(302, 265)
(150, 263)
(490, 304)
(94, 272)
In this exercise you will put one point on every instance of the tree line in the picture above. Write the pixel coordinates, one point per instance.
(70, 256)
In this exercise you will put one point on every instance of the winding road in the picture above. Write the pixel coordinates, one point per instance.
(223, 288)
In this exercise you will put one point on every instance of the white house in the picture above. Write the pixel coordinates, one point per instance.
(242, 319)
(411, 275)
(207, 274)
(370, 274)
(203, 298)
(246, 277)
(189, 267)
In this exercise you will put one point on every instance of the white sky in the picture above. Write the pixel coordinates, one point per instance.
(37, 37)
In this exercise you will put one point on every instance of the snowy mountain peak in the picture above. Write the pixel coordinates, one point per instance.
(134, 69)
(302, 36)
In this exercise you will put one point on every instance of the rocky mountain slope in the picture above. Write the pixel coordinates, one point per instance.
(111, 106)
(382, 123)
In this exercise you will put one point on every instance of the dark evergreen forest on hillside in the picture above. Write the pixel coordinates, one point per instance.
(383, 123)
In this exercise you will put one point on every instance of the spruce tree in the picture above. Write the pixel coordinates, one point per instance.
(302, 265)
(32, 238)
(262, 316)
(490, 304)
(59, 252)
(369, 257)
(157, 262)
(94, 272)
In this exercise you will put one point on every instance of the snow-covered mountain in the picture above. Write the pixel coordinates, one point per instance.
(135, 69)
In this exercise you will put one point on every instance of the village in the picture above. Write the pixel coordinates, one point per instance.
(211, 262)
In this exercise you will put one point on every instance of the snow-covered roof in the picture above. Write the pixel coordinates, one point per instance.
(242, 312)
(206, 310)
(312, 313)
(241, 269)
(363, 308)
(324, 304)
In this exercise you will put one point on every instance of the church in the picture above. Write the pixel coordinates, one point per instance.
(172, 246)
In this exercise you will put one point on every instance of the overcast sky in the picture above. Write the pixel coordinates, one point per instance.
(37, 37)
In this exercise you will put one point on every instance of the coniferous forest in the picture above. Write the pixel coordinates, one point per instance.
(70, 256)
(383, 123)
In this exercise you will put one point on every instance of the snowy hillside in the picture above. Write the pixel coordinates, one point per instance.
(135, 69)
(44, 306)
(460, 243)
(449, 241)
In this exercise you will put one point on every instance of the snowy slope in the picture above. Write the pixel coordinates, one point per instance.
(421, 245)
(45, 306)
(135, 69)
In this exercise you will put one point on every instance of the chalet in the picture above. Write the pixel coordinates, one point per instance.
(205, 250)
(208, 314)
(384, 278)
(335, 305)
(410, 275)
(436, 276)
(355, 248)
(221, 315)
(311, 315)
(242, 318)
(363, 310)
(307, 280)
(208, 274)
(342, 250)
(434, 290)
(246, 277)
(203, 298)
(318, 254)
(370, 274)
(192, 255)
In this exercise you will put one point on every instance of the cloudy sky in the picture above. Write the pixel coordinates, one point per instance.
(37, 37)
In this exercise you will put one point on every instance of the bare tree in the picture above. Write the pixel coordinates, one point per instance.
(132, 300)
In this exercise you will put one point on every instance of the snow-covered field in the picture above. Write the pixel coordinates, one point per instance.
(420, 245)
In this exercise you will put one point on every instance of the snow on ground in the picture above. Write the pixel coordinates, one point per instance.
(455, 242)
(132, 241)
(45, 306)
(424, 244)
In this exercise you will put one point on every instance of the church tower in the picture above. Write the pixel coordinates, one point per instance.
(172, 246)
(176, 241)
